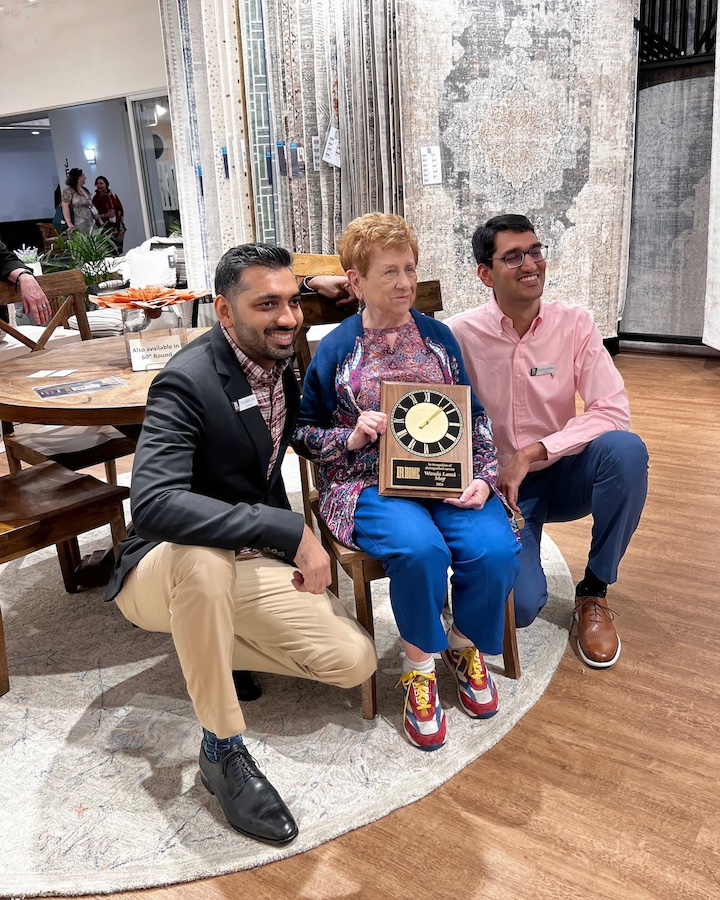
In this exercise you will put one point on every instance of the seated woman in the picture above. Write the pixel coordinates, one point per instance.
(416, 540)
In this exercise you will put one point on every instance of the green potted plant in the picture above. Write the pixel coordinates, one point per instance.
(91, 253)
(32, 258)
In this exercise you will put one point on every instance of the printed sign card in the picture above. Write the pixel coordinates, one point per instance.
(79, 387)
(152, 352)
(331, 153)
(431, 164)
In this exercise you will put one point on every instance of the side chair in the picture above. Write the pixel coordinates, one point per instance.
(46, 505)
(49, 233)
(360, 568)
(66, 293)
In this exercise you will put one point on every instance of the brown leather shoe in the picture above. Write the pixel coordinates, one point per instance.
(598, 641)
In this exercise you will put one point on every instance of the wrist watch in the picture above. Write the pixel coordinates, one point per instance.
(305, 287)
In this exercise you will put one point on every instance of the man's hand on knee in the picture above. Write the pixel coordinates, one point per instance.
(313, 563)
(512, 477)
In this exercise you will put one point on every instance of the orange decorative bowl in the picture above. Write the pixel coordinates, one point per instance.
(153, 297)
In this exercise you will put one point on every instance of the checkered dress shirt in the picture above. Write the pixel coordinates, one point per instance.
(268, 388)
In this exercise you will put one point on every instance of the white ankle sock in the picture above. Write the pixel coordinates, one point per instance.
(427, 667)
(456, 642)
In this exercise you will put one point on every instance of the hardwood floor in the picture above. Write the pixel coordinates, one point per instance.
(608, 788)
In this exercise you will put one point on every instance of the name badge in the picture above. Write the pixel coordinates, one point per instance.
(544, 370)
(245, 403)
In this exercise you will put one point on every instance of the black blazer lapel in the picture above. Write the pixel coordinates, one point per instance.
(239, 392)
(292, 404)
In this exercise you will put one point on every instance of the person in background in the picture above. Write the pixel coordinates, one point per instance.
(77, 204)
(34, 301)
(217, 558)
(527, 359)
(110, 210)
(339, 425)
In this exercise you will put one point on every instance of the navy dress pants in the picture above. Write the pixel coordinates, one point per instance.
(609, 480)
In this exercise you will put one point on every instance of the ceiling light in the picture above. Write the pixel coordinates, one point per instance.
(34, 132)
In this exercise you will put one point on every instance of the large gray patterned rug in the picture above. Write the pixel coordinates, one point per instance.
(99, 787)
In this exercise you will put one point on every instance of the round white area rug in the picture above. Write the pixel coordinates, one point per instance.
(99, 785)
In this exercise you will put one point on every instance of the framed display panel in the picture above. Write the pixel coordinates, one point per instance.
(426, 450)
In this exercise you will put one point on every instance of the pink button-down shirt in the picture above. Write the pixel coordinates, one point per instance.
(527, 385)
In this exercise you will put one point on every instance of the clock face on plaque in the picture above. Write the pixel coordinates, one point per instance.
(426, 422)
(427, 448)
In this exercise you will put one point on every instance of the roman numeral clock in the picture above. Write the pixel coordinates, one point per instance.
(427, 448)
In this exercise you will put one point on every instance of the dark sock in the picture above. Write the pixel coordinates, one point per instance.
(215, 748)
(591, 586)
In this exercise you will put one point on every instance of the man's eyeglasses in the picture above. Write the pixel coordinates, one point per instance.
(515, 259)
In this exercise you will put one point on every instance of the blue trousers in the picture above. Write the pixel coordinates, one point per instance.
(417, 540)
(609, 480)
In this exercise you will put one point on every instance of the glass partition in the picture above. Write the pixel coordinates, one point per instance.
(157, 163)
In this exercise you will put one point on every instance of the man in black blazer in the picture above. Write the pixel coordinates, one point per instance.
(215, 541)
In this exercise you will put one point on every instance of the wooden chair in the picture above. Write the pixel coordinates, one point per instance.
(48, 232)
(66, 294)
(305, 265)
(360, 568)
(47, 505)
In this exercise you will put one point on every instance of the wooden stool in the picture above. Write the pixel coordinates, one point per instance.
(46, 505)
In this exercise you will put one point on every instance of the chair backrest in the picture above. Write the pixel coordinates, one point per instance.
(305, 265)
(66, 293)
(48, 233)
(319, 310)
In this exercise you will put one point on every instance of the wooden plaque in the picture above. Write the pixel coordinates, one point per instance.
(427, 448)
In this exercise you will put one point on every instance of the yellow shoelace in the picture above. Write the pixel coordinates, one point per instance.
(421, 683)
(473, 670)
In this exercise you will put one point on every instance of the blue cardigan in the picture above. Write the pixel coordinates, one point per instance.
(329, 411)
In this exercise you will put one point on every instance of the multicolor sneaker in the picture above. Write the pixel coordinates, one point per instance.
(424, 718)
(476, 689)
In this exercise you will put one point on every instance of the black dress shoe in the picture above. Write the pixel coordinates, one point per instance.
(250, 803)
(247, 687)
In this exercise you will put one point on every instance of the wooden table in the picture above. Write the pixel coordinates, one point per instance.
(122, 406)
(11, 347)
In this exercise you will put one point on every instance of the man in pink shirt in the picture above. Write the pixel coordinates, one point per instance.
(527, 359)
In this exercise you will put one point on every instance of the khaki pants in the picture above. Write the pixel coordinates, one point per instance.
(227, 614)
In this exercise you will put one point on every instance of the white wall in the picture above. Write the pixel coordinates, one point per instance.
(55, 54)
(29, 176)
(105, 127)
